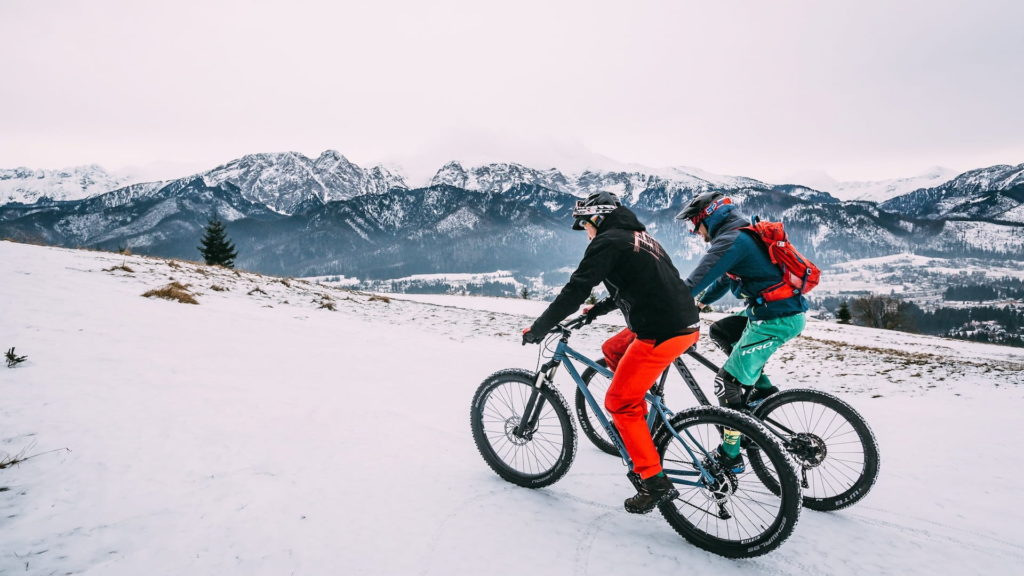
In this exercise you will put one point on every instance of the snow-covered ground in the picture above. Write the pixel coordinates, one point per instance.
(262, 432)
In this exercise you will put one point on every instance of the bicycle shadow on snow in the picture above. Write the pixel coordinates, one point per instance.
(578, 527)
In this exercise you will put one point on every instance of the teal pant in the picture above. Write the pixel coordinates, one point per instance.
(759, 340)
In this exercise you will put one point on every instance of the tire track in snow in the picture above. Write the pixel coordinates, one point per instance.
(984, 543)
(468, 505)
(585, 545)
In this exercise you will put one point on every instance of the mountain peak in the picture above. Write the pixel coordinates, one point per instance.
(331, 156)
(453, 165)
(451, 174)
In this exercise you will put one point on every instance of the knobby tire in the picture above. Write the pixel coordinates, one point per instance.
(841, 474)
(538, 459)
(758, 520)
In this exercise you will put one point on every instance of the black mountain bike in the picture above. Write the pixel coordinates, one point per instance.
(834, 447)
(522, 427)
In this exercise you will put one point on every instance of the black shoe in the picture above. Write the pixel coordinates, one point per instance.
(758, 395)
(735, 464)
(649, 493)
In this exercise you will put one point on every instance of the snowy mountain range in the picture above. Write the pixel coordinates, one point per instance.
(628, 185)
(26, 185)
(280, 181)
(285, 180)
(872, 191)
(292, 215)
(994, 193)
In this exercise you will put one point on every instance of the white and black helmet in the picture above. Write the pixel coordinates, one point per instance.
(594, 209)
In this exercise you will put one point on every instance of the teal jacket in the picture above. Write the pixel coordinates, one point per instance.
(733, 251)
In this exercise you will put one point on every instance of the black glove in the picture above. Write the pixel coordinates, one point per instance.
(604, 306)
(531, 337)
(588, 315)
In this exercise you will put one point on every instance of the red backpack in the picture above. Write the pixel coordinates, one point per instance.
(799, 275)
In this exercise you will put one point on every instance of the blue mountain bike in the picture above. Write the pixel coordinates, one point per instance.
(523, 429)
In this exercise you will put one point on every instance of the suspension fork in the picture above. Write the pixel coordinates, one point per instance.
(531, 414)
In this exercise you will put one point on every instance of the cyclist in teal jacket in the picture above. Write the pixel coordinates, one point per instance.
(737, 262)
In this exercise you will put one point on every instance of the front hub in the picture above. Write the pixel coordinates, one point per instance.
(514, 434)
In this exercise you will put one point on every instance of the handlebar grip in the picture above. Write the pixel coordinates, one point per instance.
(576, 322)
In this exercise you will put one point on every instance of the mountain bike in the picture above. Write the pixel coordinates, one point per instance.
(523, 428)
(834, 447)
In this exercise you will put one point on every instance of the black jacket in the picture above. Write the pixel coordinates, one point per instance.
(640, 277)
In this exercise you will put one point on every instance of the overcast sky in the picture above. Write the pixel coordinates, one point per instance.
(860, 89)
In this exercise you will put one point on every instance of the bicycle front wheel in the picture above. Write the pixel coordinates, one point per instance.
(524, 433)
(834, 448)
(731, 514)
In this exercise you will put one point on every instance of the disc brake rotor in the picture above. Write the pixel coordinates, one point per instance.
(511, 426)
(808, 449)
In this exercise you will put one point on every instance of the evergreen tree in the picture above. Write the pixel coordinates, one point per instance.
(216, 248)
(843, 314)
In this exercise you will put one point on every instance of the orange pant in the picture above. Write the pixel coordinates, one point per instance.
(614, 347)
(640, 365)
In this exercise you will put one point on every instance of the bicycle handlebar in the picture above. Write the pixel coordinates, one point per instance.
(571, 324)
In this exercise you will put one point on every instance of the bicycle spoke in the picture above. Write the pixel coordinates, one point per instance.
(751, 508)
(830, 447)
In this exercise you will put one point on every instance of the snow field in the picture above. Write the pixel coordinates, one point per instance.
(258, 433)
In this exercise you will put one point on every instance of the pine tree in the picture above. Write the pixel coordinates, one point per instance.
(843, 314)
(216, 248)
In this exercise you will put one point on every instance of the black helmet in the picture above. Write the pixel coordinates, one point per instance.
(702, 206)
(594, 209)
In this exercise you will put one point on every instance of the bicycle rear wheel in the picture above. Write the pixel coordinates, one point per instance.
(733, 515)
(836, 452)
(535, 456)
(592, 429)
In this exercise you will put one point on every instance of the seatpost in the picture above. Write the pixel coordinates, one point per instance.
(659, 388)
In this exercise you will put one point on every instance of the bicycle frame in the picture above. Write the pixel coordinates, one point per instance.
(565, 354)
(691, 383)
(688, 377)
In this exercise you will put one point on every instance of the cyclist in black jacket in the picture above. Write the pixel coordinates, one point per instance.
(661, 319)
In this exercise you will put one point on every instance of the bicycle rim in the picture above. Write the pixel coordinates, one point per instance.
(734, 515)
